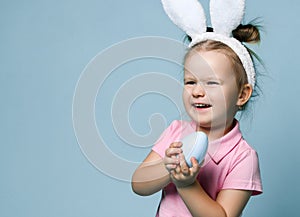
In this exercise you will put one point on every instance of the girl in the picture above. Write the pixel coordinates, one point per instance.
(216, 85)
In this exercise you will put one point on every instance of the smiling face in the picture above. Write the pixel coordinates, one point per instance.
(211, 94)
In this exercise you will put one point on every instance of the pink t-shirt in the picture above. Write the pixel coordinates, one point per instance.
(230, 163)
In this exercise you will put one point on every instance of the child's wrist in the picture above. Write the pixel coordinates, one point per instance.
(180, 185)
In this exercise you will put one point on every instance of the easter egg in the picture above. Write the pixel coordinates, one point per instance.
(194, 145)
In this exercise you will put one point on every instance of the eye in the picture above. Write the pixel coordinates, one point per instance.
(189, 82)
(212, 83)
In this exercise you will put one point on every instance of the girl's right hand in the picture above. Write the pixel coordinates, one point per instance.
(171, 159)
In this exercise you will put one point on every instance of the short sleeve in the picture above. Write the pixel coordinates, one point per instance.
(245, 173)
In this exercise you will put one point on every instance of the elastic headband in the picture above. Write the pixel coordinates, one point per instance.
(226, 15)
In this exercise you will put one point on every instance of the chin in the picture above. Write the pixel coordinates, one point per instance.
(205, 123)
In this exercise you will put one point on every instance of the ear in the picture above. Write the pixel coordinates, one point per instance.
(226, 15)
(244, 95)
(187, 15)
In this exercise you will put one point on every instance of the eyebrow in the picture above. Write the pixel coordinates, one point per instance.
(205, 79)
(212, 78)
(189, 77)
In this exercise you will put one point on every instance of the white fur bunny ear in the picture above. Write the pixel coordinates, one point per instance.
(226, 15)
(187, 15)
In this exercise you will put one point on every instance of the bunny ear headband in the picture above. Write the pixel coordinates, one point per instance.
(226, 15)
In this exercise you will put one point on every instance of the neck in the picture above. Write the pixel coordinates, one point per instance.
(216, 132)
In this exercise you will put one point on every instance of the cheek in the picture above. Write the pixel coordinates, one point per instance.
(216, 94)
(230, 99)
(185, 95)
(186, 92)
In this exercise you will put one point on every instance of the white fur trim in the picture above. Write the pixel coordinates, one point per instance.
(236, 46)
(187, 15)
(226, 15)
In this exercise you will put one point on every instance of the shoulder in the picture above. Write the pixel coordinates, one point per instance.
(180, 123)
(245, 149)
(179, 128)
(241, 148)
(243, 169)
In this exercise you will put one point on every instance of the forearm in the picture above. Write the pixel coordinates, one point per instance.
(150, 178)
(199, 203)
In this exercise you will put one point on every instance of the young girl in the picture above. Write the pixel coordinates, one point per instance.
(217, 83)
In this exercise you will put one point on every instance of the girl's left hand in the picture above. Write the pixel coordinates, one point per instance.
(183, 175)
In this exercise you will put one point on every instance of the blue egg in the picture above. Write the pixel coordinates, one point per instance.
(194, 145)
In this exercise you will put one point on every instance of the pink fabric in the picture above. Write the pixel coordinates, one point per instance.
(230, 163)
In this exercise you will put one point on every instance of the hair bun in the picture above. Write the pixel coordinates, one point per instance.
(247, 33)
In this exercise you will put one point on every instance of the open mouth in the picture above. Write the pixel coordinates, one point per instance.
(201, 105)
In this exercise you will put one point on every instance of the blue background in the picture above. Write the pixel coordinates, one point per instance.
(44, 47)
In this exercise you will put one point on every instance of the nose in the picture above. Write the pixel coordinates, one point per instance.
(198, 91)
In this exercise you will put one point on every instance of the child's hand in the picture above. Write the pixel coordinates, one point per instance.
(171, 159)
(183, 176)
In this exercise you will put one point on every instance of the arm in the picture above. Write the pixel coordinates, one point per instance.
(154, 172)
(229, 203)
(151, 176)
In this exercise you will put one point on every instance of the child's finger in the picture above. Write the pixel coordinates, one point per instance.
(170, 167)
(176, 145)
(174, 149)
(172, 152)
(183, 165)
(195, 165)
(170, 160)
(170, 163)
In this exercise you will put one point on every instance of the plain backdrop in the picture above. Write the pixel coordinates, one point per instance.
(44, 47)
